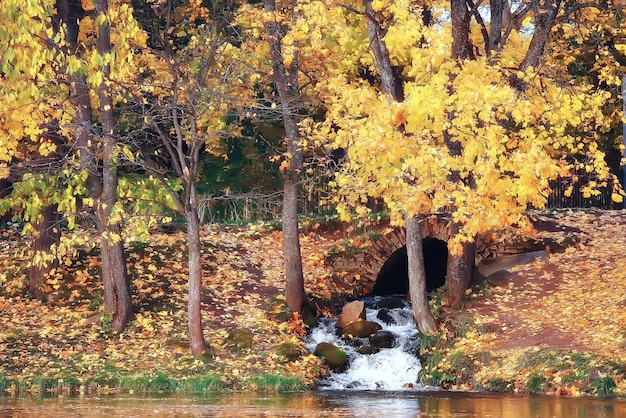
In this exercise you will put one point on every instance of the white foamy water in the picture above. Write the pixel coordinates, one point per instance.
(391, 369)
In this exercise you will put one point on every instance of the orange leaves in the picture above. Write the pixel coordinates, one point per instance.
(296, 325)
(399, 118)
(567, 309)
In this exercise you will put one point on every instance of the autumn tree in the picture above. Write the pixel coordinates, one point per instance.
(197, 82)
(55, 51)
(287, 84)
(483, 125)
(391, 85)
(33, 146)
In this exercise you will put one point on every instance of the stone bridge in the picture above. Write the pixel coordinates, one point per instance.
(382, 267)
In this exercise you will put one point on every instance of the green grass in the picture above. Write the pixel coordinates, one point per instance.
(114, 381)
(537, 383)
(558, 359)
(272, 383)
(202, 384)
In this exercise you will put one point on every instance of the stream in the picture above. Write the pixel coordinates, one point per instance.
(390, 369)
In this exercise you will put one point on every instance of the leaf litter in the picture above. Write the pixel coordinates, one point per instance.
(563, 317)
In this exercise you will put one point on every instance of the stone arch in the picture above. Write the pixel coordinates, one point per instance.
(393, 277)
(434, 226)
(360, 269)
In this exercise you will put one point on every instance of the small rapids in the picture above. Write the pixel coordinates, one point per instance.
(390, 369)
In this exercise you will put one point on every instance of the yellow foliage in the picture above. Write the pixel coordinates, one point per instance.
(511, 142)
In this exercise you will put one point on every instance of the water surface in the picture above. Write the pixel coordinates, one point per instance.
(354, 404)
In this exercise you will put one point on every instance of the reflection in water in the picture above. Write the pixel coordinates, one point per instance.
(317, 404)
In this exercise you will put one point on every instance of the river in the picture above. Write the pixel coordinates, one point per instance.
(351, 404)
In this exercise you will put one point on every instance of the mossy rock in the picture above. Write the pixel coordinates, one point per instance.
(367, 349)
(291, 351)
(361, 329)
(335, 357)
(238, 340)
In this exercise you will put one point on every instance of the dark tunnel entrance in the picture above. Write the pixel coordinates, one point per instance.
(393, 277)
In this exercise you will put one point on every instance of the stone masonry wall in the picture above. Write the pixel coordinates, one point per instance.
(367, 264)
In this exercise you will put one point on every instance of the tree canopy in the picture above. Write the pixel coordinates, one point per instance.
(516, 125)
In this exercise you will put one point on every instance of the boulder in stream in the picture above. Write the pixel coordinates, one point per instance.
(361, 329)
(385, 316)
(335, 357)
(367, 349)
(352, 311)
(383, 339)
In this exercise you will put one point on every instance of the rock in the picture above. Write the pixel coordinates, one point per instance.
(333, 356)
(367, 349)
(383, 339)
(361, 329)
(412, 345)
(489, 266)
(384, 316)
(239, 339)
(352, 311)
(354, 385)
(291, 351)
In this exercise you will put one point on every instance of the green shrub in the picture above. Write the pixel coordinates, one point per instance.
(498, 384)
(537, 383)
(604, 387)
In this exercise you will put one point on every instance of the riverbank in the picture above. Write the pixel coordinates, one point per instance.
(554, 326)
(551, 326)
(65, 345)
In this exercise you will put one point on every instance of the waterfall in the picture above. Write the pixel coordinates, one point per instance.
(390, 369)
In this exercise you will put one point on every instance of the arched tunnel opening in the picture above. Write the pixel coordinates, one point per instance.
(393, 277)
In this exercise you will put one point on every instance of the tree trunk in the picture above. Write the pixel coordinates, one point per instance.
(417, 277)
(117, 298)
(544, 21)
(545, 17)
(48, 234)
(194, 304)
(460, 267)
(496, 8)
(294, 277)
(390, 83)
(462, 48)
(459, 273)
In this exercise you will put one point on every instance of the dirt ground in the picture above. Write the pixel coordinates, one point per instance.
(571, 299)
(565, 302)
